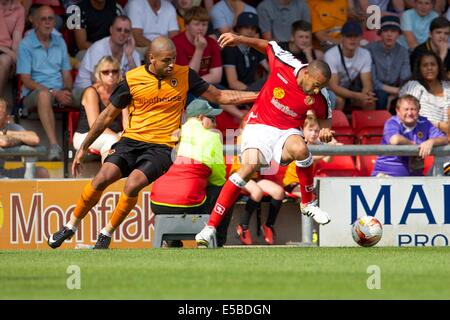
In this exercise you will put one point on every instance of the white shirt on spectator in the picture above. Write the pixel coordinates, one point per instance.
(361, 62)
(432, 107)
(153, 25)
(98, 50)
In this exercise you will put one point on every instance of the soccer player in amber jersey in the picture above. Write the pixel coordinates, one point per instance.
(156, 97)
(272, 127)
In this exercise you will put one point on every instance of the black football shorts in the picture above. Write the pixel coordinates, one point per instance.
(152, 159)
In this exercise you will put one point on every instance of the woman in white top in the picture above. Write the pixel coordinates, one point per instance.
(94, 100)
(430, 86)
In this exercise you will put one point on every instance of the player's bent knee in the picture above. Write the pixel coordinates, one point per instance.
(134, 184)
(278, 195)
(132, 189)
(100, 182)
(256, 196)
(301, 153)
(105, 177)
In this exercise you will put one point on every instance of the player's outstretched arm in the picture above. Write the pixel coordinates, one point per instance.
(217, 96)
(230, 39)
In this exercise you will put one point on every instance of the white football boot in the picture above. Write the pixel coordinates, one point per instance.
(312, 210)
(206, 238)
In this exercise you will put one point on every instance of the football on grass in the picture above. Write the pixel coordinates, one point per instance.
(367, 231)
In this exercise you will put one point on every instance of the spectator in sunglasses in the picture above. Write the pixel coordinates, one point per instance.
(119, 45)
(94, 100)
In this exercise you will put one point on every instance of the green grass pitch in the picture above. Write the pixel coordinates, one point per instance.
(229, 273)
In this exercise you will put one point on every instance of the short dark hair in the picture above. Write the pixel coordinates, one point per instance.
(439, 23)
(442, 75)
(196, 13)
(301, 25)
(320, 66)
(121, 17)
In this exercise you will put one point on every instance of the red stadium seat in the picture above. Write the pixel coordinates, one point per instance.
(428, 164)
(69, 38)
(340, 166)
(343, 131)
(365, 165)
(370, 35)
(369, 122)
(72, 123)
(340, 119)
(373, 137)
(369, 118)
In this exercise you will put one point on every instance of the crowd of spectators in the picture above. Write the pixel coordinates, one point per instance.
(53, 65)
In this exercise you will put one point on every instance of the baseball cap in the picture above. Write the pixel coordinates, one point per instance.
(351, 28)
(247, 19)
(201, 107)
(390, 23)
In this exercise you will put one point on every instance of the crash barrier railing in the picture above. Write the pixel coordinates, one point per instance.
(29, 156)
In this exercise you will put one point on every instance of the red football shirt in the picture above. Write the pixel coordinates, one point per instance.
(281, 102)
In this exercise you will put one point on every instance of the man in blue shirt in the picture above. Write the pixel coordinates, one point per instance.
(43, 64)
(408, 128)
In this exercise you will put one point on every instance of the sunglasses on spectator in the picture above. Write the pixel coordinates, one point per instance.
(49, 18)
(123, 30)
(108, 72)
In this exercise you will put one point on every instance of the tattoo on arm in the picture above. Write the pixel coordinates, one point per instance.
(239, 97)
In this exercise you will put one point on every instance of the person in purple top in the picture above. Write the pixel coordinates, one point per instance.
(407, 128)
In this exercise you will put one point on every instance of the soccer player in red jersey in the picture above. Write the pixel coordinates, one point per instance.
(272, 130)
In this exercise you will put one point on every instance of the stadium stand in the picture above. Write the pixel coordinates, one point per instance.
(339, 166)
(365, 164)
(368, 124)
(343, 131)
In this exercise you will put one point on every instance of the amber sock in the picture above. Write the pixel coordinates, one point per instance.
(89, 197)
(123, 208)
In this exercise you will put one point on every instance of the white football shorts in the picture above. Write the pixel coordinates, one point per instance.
(267, 139)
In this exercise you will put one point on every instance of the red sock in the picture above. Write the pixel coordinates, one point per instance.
(227, 197)
(305, 175)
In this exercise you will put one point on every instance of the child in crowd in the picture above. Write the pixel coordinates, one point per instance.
(300, 44)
